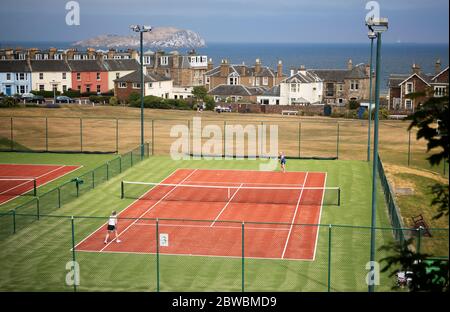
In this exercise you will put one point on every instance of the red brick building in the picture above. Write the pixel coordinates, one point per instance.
(89, 76)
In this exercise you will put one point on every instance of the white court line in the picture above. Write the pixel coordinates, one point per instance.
(151, 207)
(320, 216)
(293, 218)
(146, 193)
(216, 227)
(226, 205)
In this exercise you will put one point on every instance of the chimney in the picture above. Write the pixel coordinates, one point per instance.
(69, 54)
(367, 70)
(91, 53)
(292, 72)
(416, 69)
(51, 53)
(32, 53)
(350, 64)
(224, 67)
(210, 64)
(257, 66)
(110, 54)
(280, 69)
(243, 70)
(437, 66)
(302, 69)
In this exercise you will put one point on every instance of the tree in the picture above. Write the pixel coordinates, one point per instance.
(426, 274)
(200, 92)
(353, 104)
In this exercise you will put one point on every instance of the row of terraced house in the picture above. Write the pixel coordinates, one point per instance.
(173, 75)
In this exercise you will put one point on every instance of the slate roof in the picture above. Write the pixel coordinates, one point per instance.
(50, 66)
(339, 75)
(86, 65)
(396, 79)
(274, 91)
(304, 77)
(14, 66)
(118, 65)
(249, 71)
(237, 90)
(136, 77)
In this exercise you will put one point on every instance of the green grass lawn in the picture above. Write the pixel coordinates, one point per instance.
(35, 258)
(87, 162)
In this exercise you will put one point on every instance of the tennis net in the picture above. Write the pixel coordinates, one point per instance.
(17, 186)
(288, 195)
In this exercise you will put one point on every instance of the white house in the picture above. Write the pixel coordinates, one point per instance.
(301, 88)
(47, 75)
(155, 85)
(118, 68)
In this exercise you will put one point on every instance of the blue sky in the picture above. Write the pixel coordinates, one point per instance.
(303, 21)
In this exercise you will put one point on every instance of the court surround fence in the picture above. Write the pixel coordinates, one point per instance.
(50, 201)
(306, 139)
(230, 263)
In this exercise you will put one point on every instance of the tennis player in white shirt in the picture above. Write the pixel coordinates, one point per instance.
(112, 227)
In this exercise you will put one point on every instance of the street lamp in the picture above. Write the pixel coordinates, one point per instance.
(54, 86)
(377, 26)
(141, 29)
(372, 35)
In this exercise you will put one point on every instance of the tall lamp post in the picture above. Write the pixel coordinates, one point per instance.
(141, 29)
(371, 36)
(378, 26)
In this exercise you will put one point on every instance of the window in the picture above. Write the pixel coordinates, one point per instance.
(341, 101)
(64, 88)
(117, 75)
(265, 81)
(41, 76)
(77, 57)
(8, 76)
(20, 76)
(98, 76)
(22, 89)
(78, 76)
(147, 60)
(293, 87)
(64, 76)
(38, 57)
(207, 80)
(329, 89)
(233, 81)
(79, 88)
(408, 104)
(22, 56)
(88, 88)
(58, 56)
(340, 87)
(409, 88)
(99, 89)
(41, 87)
(258, 81)
(150, 85)
(440, 91)
(45, 56)
(136, 85)
(164, 60)
(122, 85)
(354, 85)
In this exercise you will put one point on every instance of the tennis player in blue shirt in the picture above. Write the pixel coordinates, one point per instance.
(283, 161)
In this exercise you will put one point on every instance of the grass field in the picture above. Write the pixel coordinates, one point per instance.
(35, 258)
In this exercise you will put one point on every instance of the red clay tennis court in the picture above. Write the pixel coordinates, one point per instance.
(18, 180)
(262, 200)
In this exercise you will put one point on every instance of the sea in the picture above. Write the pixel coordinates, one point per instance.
(396, 58)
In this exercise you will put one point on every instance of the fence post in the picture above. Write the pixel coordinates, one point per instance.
(121, 190)
(37, 208)
(14, 220)
(243, 258)
(107, 171)
(34, 188)
(117, 135)
(329, 257)
(157, 255)
(78, 188)
(153, 137)
(337, 141)
(46, 134)
(223, 138)
(120, 164)
(409, 147)
(189, 136)
(299, 139)
(81, 134)
(419, 238)
(75, 276)
(59, 197)
(12, 134)
(93, 178)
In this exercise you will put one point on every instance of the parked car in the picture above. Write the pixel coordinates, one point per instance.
(224, 109)
(31, 98)
(64, 99)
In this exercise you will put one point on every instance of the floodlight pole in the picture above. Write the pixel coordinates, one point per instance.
(375, 159)
(370, 99)
(142, 92)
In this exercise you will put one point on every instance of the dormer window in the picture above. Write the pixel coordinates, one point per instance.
(409, 88)
(164, 60)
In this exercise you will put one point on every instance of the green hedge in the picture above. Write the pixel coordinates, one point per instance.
(157, 102)
(46, 94)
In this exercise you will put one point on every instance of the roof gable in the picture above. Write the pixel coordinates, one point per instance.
(416, 75)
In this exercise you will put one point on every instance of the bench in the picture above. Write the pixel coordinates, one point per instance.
(289, 112)
(398, 117)
(419, 222)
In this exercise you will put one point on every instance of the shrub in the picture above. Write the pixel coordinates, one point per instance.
(99, 99)
(209, 103)
(8, 102)
(72, 93)
(134, 97)
(113, 101)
